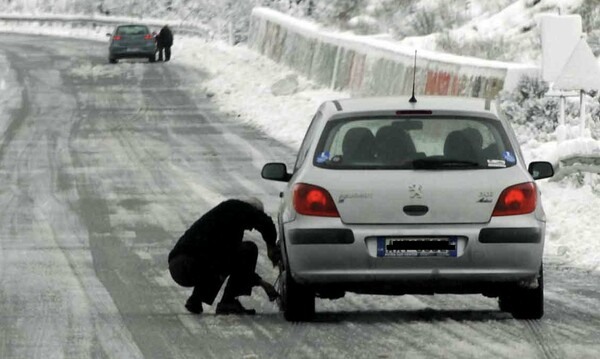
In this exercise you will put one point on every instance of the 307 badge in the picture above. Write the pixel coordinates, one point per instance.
(486, 197)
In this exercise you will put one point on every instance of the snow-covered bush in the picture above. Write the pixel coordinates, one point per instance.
(535, 115)
(364, 25)
(594, 111)
(337, 12)
(531, 113)
(590, 16)
(491, 48)
(416, 18)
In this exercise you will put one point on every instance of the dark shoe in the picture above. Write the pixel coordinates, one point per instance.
(233, 307)
(193, 307)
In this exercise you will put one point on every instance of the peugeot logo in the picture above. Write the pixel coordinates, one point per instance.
(415, 191)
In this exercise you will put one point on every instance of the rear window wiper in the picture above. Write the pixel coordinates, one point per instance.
(440, 163)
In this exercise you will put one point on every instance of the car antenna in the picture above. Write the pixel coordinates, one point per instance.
(413, 99)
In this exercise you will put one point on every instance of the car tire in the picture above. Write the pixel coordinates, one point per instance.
(113, 61)
(152, 59)
(296, 302)
(525, 303)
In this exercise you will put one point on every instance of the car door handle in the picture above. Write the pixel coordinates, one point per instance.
(416, 210)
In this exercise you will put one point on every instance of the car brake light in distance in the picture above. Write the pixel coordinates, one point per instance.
(117, 37)
(314, 201)
(517, 199)
(148, 36)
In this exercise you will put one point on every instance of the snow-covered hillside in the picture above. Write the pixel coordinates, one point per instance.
(503, 30)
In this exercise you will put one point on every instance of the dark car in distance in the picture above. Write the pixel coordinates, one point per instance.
(131, 41)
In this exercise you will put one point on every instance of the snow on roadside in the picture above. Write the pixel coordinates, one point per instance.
(572, 231)
(240, 82)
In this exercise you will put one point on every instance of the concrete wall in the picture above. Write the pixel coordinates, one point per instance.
(369, 67)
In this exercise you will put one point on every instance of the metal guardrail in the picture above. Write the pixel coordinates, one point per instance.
(187, 28)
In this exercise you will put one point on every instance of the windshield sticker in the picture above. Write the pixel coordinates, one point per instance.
(323, 157)
(496, 163)
(509, 157)
(336, 159)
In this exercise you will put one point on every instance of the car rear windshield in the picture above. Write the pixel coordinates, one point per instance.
(446, 142)
(132, 30)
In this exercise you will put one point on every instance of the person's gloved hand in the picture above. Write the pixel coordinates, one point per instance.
(274, 254)
(269, 290)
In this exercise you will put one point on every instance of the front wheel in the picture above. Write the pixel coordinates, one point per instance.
(112, 60)
(297, 302)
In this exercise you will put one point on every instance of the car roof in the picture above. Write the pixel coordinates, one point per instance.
(131, 25)
(439, 104)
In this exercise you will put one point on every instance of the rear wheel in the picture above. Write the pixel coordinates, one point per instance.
(297, 302)
(152, 59)
(525, 303)
(112, 60)
(505, 303)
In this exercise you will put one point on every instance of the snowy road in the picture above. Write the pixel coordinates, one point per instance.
(102, 167)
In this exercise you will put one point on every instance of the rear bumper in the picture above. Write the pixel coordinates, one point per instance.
(491, 282)
(353, 265)
(120, 53)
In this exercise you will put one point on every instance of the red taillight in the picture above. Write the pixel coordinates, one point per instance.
(314, 201)
(117, 37)
(517, 199)
(148, 37)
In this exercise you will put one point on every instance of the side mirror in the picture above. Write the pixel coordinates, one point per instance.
(540, 170)
(275, 171)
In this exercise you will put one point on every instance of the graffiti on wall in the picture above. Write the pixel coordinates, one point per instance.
(441, 83)
(364, 73)
(357, 72)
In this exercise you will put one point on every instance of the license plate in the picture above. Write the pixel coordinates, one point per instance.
(417, 246)
(133, 49)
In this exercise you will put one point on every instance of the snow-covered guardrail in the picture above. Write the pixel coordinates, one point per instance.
(76, 21)
(369, 66)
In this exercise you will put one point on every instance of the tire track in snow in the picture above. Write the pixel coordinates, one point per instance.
(57, 316)
(544, 340)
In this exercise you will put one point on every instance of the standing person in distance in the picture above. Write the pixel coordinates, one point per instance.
(213, 249)
(164, 41)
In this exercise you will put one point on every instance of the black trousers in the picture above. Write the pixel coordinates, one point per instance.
(167, 52)
(207, 277)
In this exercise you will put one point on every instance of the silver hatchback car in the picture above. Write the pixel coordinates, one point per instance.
(393, 197)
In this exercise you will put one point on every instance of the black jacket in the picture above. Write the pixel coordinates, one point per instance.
(164, 37)
(221, 230)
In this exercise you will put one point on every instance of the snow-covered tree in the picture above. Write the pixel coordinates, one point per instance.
(337, 12)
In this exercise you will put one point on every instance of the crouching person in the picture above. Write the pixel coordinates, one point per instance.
(212, 250)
